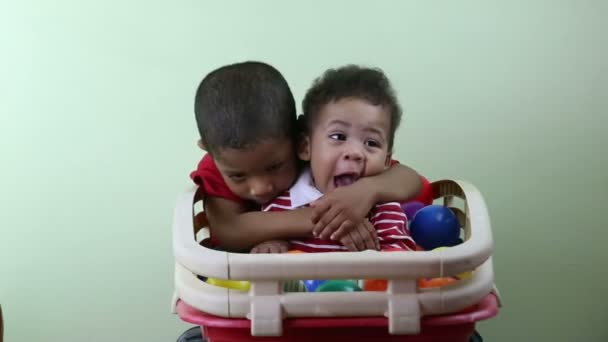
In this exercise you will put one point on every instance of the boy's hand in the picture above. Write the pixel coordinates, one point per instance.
(200, 221)
(272, 246)
(363, 237)
(336, 213)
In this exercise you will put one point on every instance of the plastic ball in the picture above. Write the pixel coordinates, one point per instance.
(295, 251)
(460, 276)
(435, 226)
(230, 284)
(464, 275)
(436, 282)
(338, 286)
(375, 285)
(312, 285)
(411, 208)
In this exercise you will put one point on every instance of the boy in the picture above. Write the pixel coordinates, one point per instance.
(349, 123)
(247, 122)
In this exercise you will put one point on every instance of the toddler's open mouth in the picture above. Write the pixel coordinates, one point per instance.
(345, 179)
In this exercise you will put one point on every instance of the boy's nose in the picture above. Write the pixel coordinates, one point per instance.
(261, 189)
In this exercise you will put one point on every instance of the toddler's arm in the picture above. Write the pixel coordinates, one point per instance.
(390, 222)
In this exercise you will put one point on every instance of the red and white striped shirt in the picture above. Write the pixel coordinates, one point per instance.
(388, 219)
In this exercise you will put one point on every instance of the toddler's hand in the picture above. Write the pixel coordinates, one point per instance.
(272, 246)
(337, 212)
(363, 237)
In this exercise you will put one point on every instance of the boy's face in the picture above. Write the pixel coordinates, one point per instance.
(260, 172)
(348, 140)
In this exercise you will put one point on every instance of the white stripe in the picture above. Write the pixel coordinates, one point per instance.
(404, 247)
(388, 221)
(399, 213)
(389, 204)
(312, 245)
(282, 198)
(400, 237)
(273, 205)
(387, 229)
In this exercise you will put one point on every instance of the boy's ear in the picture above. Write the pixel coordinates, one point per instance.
(200, 145)
(304, 148)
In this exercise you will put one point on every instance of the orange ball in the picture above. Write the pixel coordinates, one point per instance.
(295, 251)
(375, 285)
(436, 282)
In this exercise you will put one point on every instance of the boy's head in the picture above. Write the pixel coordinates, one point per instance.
(349, 123)
(247, 121)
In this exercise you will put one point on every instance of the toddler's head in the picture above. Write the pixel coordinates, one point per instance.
(349, 123)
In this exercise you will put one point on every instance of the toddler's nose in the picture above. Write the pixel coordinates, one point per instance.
(353, 153)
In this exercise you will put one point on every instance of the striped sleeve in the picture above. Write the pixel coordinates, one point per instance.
(391, 225)
(310, 245)
(281, 203)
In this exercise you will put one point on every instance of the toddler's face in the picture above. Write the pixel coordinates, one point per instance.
(349, 140)
(261, 172)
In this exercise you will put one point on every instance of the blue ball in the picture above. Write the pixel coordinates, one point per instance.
(311, 285)
(435, 226)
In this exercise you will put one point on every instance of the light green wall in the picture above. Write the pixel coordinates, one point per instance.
(97, 139)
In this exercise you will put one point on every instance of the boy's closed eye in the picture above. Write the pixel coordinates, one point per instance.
(237, 177)
(275, 167)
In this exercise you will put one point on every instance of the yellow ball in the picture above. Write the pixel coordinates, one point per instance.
(464, 275)
(230, 284)
(461, 276)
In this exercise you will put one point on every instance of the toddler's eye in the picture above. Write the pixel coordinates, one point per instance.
(372, 143)
(338, 136)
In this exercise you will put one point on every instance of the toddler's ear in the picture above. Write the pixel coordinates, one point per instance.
(304, 148)
(200, 145)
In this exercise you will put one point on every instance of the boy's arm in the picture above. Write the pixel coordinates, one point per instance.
(239, 230)
(335, 212)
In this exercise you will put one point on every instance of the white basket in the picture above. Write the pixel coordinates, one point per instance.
(403, 303)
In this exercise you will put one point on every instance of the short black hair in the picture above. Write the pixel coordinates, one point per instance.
(351, 81)
(242, 104)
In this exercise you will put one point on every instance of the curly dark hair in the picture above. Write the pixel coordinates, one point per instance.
(241, 104)
(354, 81)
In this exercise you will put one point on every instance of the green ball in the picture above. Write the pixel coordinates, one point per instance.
(338, 286)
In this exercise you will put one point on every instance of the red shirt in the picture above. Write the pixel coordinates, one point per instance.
(210, 179)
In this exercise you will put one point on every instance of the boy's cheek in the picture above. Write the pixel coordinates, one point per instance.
(290, 177)
(238, 190)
